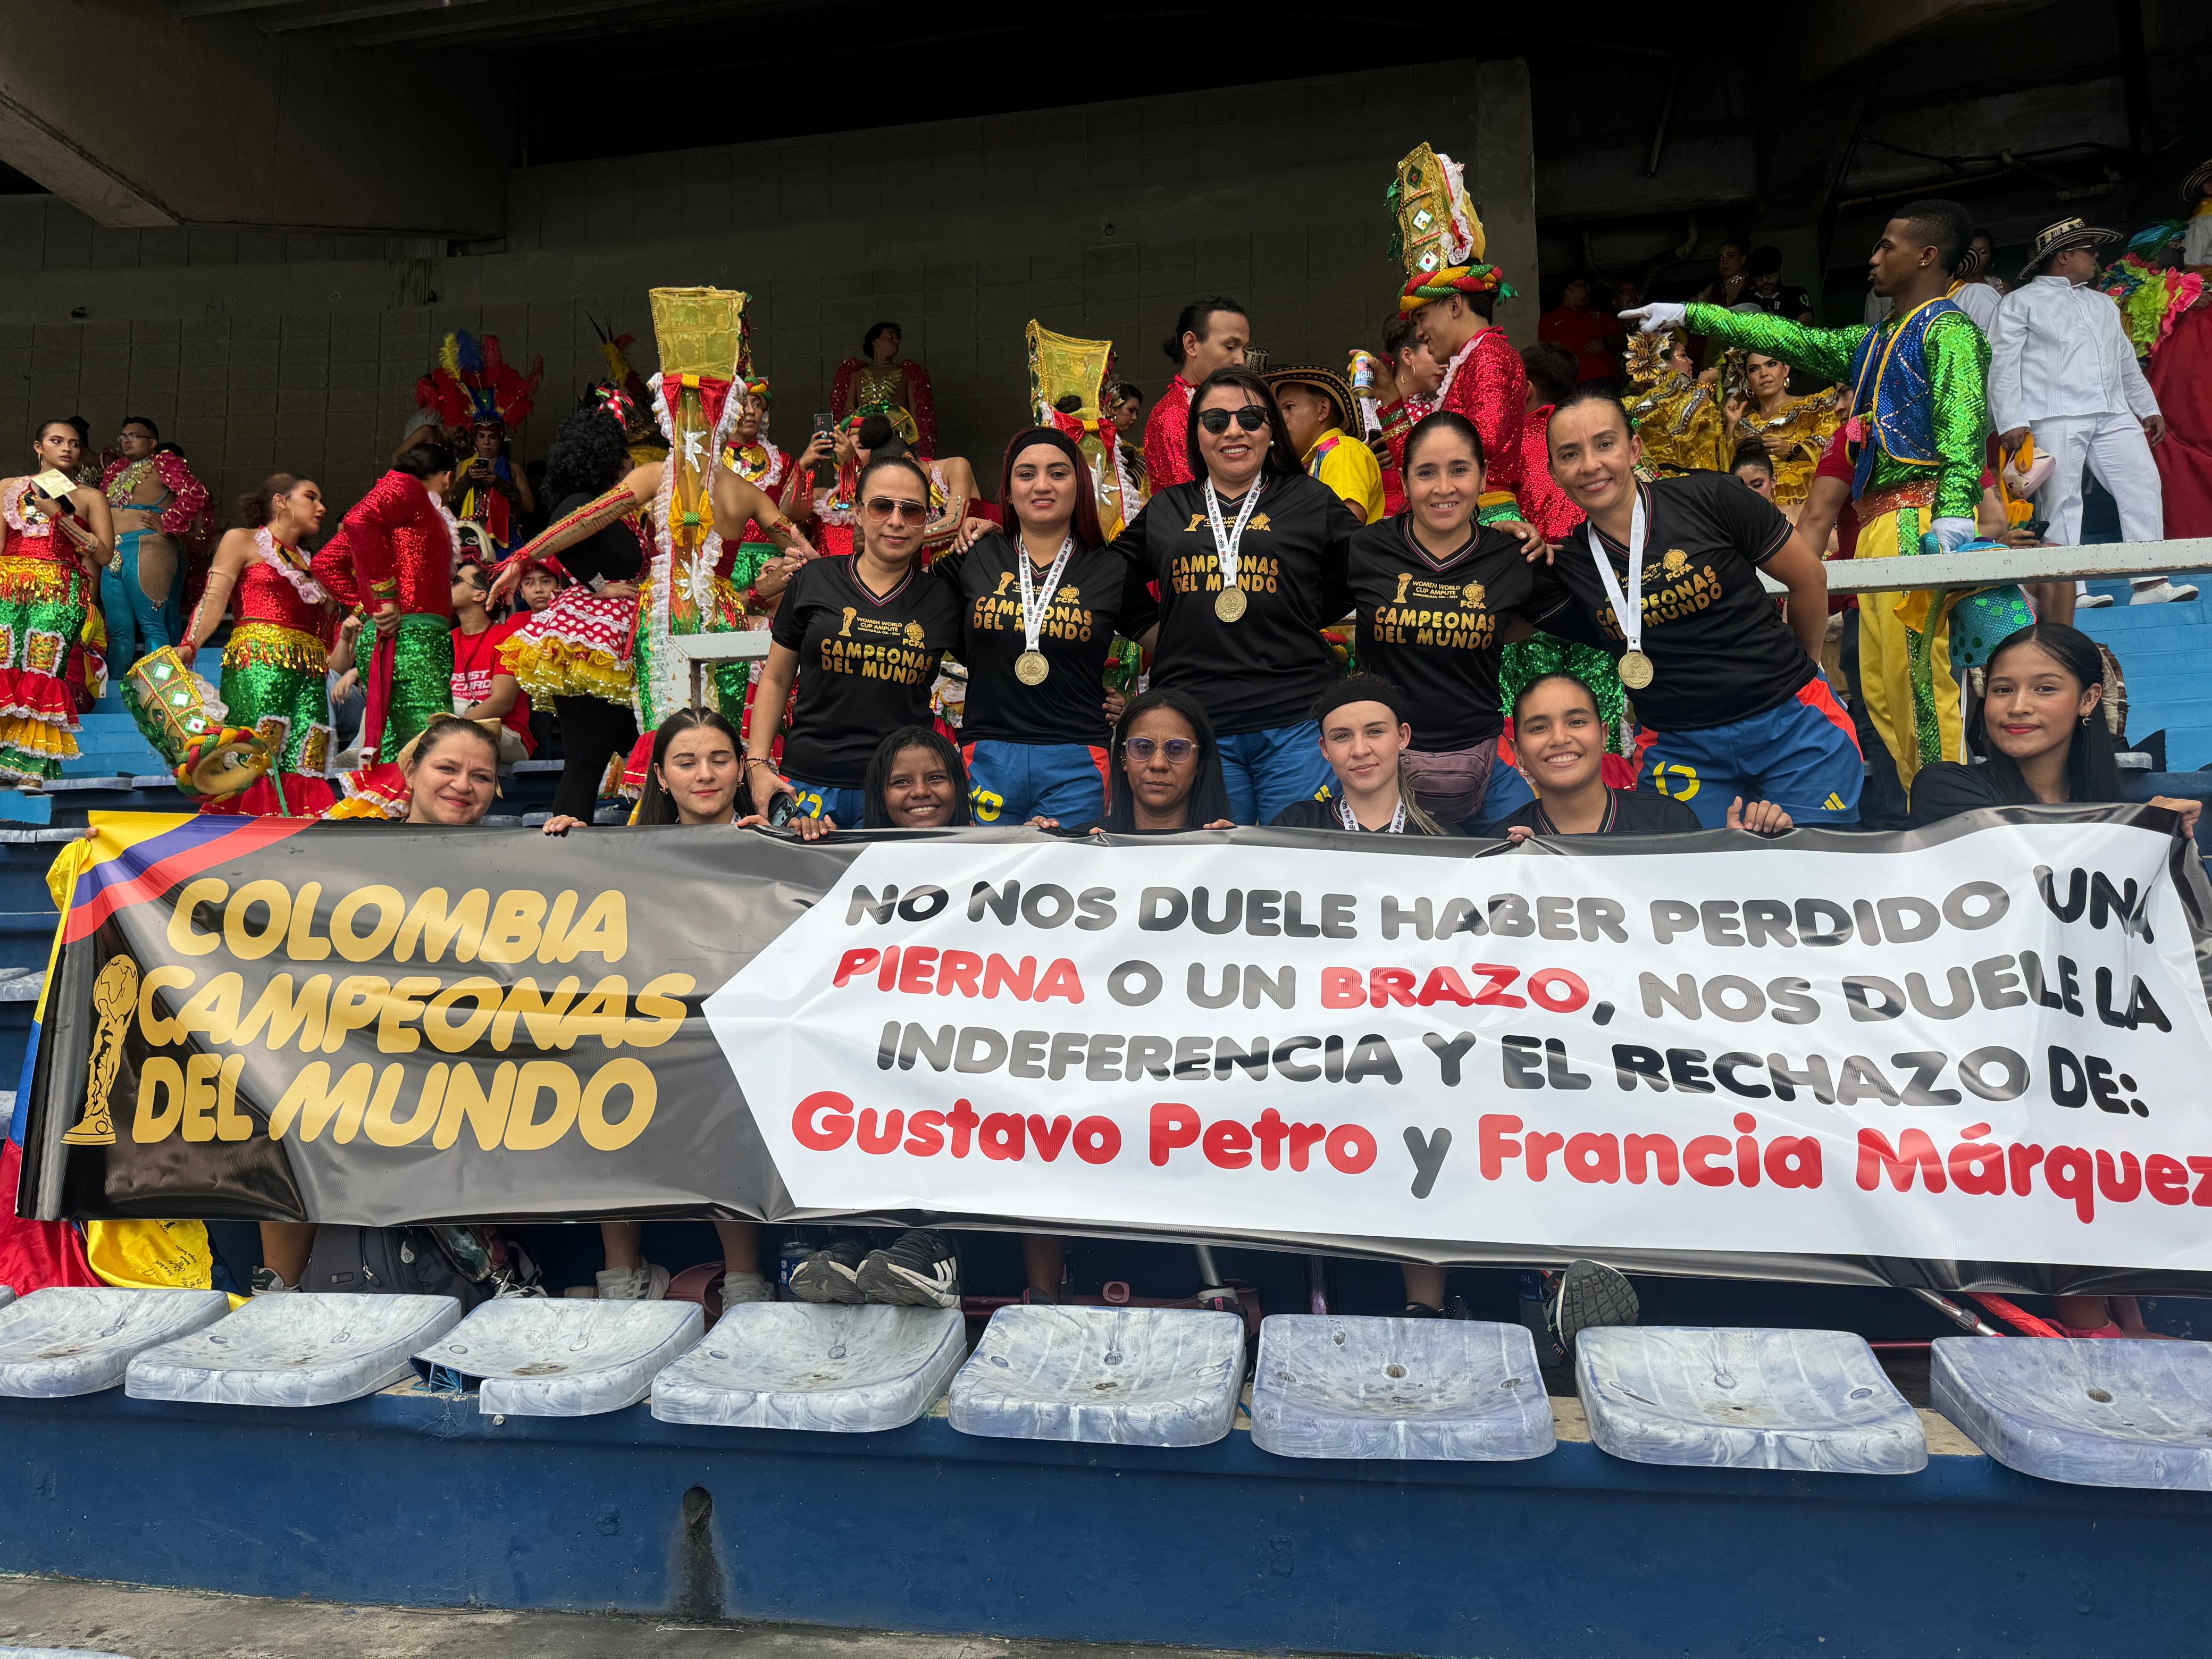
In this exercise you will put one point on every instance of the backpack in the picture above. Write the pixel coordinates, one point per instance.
(390, 1262)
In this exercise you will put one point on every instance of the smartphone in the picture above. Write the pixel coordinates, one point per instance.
(825, 472)
(782, 809)
(2034, 527)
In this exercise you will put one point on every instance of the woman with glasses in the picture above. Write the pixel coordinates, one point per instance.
(863, 637)
(1249, 560)
(1041, 602)
(1166, 769)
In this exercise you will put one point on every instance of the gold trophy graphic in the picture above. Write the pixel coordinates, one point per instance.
(114, 999)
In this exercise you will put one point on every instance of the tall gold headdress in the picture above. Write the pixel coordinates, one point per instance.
(1438, 232)
(1062, 366)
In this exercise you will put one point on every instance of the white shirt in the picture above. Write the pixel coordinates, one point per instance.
(2197, 241)
(1979, 301)
(2059, 349)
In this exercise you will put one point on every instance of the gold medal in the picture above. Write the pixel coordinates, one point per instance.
(1030, 668)
(1635, 670)
(1229, 603)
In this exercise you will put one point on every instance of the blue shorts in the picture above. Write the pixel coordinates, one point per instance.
(1014, 782)
(846, 808)
(1802, 756)
(1265, 771)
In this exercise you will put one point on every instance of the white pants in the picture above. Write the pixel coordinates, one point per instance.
(2113, 447)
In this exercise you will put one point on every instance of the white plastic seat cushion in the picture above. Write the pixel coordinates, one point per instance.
(1454, 1389)
(2118, 1414)
(1122, 1376)
(807, 1365)
(531, 1356)
(7, 1652)
(1738, 1398)
(71, 1341)
(298, 1350)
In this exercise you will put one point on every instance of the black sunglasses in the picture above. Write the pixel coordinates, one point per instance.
(1251, 417)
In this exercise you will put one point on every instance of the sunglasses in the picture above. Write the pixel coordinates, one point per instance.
(1251, 417)
(1177, 750)
(882, 509)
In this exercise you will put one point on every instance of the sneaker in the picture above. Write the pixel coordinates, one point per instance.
(833, 1272)
(1584, 1295)
(2093, 601)
(646, 1284)
(2164, 593)
(266, 1283)
(745, 1287)
(1421, 1311)
(919, 1270)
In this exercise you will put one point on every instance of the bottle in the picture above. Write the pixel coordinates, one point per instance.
(797, 1247)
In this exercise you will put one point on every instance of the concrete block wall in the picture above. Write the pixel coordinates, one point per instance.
(260, 350)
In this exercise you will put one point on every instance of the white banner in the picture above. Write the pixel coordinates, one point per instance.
(1988, 1045)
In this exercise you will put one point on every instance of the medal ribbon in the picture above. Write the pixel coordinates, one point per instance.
(1349, 819)
(1035, 604)
(1225, 540)
(1629, 610)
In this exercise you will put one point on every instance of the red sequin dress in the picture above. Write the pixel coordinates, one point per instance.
(43, 597)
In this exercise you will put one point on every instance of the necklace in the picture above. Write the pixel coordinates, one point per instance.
(1030, 668)
(126, 485)
(286, 563)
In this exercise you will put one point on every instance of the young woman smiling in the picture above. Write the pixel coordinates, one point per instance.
(1249, 561)
(915, 781)
(1364, 733)
(1437, 598)
(869, 631)
(1041, 604)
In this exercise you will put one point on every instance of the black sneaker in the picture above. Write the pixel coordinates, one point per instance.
(265, 1282)
(918, 1270)
(1585, 1294)
(832, 1273)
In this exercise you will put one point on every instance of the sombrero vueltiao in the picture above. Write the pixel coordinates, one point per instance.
(2193, 186)
(2057, 238)
(1330, 380)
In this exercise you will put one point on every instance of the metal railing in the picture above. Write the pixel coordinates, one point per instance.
(1990, 566)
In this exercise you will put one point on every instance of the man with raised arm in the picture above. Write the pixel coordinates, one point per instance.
(1919, 416)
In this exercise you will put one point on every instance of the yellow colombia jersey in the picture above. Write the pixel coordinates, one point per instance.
(1348, 467)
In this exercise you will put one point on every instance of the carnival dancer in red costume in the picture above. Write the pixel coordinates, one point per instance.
(1211, 334)
(880, 382)
(276, 668)
(474, 390)
(59, 536)
(2180, 375)
(1451, 294)
(1551, 368)
(394, 555)
(162, 525)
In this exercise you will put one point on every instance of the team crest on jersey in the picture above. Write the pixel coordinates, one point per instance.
(915, 635)
(1676, 563)
(1472, 593)
(1197, 522)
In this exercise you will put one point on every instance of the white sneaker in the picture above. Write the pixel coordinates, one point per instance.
(2164, 593)
(646, 1284)
(745, 1287)
(2092, 601)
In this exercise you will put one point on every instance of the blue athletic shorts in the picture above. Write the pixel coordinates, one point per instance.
(1265, 771)
(846, 808)
(1802, 756)
(1014, 782)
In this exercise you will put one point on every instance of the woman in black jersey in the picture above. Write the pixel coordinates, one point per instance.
(1041, 602)
(1166, 769)
(1248, 563)
(1560, 736)
(916, 781)
(863, 636)
(2040, 732)
(1439, 596)
(1364, 723)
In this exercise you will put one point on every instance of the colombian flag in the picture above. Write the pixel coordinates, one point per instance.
(123, 859)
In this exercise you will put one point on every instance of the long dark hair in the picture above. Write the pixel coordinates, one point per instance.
(1088, 531)
(656, 804)
(876, 812)
(2092, 774)
(1282, 460)
(1208, 799)
(586, 455)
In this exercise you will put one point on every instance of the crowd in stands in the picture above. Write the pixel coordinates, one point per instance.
(1456, 588)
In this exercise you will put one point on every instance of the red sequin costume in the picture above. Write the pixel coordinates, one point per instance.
(1167, 455)
(43, 597)
(1543, 503)
(399, 545)
(1486, 382)
(275, 673)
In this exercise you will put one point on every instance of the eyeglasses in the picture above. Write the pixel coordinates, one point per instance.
(1251, 417)
(1176, 750)
(882, 509)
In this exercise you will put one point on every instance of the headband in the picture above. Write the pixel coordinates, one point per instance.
(1426, 287)
(1361, 687)
(1045, 434)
